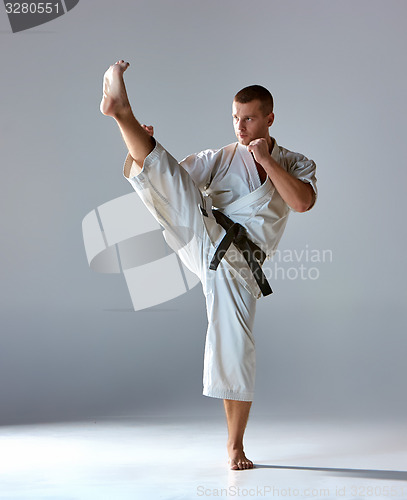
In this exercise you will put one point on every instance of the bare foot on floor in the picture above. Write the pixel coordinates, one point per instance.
(115, 101)
(238, 461)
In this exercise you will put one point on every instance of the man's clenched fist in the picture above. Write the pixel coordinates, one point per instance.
(260, 150)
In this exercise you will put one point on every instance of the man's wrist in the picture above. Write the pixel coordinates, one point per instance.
(270, 165)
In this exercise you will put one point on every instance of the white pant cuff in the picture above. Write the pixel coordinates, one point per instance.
(236, 396)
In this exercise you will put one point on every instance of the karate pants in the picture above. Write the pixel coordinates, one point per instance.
(172, 197)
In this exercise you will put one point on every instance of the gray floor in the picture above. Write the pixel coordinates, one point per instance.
(169, 458)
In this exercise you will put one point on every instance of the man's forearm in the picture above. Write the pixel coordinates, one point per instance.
(297, 194)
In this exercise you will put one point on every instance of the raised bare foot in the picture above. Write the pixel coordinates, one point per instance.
(238, 460)
(115, 101)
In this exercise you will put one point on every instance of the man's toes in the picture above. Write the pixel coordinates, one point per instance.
(244, 464)
(233, 465)
(240, 464)
(119, 66)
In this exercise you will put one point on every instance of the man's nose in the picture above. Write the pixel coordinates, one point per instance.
(240, 125)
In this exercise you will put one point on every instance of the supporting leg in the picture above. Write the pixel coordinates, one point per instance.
(237, 414)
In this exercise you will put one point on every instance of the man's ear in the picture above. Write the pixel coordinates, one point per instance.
(270, 119)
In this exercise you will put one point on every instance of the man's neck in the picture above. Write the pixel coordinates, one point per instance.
(270, 142)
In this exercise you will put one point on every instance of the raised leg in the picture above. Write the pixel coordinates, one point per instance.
(115, 103)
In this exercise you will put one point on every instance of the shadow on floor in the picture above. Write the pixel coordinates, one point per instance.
(394, 475)
(149, 310)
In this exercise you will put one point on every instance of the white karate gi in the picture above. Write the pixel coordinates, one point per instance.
(226, 179)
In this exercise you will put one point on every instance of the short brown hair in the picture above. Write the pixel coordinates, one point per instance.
(258, 92)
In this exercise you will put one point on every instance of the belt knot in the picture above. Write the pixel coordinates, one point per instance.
(254, 255)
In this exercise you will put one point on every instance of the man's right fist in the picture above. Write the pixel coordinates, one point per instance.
(149, 129)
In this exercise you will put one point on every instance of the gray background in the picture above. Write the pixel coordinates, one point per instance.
(70, 345)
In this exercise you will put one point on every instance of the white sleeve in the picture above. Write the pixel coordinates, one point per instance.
(302, 169)
(201, 166)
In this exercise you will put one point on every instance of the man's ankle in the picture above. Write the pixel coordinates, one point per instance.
(124, 115)
(234, 444)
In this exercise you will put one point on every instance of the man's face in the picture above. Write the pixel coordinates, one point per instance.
(250, 122)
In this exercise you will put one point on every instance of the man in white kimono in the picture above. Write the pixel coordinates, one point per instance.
(224, 212)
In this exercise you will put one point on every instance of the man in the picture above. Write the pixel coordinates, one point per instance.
(223, 211)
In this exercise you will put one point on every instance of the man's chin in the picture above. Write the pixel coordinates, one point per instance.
(245, 141)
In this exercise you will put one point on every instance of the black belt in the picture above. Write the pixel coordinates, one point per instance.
(236, 234)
